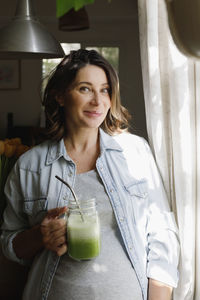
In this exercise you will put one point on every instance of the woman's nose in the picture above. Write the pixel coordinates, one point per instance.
(96, 98)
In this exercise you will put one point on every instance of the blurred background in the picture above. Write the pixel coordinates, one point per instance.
(113, 30)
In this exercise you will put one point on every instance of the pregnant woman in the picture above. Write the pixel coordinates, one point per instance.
(88, 145)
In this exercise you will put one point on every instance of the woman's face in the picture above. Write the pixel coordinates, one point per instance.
(87, 100)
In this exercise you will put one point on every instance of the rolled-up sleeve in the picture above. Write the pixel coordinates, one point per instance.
(15, 220)
(162, 232)
(163, 248)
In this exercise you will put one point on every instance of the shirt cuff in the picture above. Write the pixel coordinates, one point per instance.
(9, 251)
(168, 274)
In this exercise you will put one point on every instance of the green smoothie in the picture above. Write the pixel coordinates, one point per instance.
(83, 237)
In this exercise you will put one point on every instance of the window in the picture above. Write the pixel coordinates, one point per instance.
(49, 64)
(110, 53)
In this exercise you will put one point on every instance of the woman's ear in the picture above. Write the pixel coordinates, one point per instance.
(60, 100)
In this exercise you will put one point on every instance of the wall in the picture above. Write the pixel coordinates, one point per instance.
(114, 23)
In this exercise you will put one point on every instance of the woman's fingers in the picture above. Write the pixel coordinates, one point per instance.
(54, 213)
(61, 250)
(53, 225)
(54, 245)
(59, 246)
(54, 235)
(53, 230)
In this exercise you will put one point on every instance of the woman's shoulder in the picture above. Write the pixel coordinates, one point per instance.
(131, 141)
(36, 150)
(35, 156)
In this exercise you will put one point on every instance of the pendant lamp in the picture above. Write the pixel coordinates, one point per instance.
(26, 38)
(184, 24)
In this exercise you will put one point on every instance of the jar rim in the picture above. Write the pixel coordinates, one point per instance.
(84, 204)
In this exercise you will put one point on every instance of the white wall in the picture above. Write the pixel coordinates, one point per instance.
(113, 23)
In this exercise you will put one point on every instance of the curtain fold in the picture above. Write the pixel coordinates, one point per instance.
(171, 84)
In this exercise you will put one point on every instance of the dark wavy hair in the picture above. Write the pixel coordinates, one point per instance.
(63, 76)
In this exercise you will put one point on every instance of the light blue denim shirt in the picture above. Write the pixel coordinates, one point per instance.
(131, 179)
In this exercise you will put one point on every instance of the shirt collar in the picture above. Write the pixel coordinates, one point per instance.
(57, 149)
(108, 142)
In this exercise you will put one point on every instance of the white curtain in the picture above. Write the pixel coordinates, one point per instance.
(171, 84)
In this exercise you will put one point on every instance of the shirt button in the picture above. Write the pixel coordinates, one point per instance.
(64, 198)
(111, 190)
(70, 174)
(121, 219)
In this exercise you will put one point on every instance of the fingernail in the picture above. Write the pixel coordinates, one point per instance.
(63, 216)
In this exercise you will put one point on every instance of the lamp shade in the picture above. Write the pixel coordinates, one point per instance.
(184, 24)
(25, 37)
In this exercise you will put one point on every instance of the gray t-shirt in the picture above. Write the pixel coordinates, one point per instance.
(110, 276)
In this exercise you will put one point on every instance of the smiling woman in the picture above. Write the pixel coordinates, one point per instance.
(64, 80)
(89, 147)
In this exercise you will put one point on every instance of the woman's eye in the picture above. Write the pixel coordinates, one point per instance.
(84, 89)
(105, 90)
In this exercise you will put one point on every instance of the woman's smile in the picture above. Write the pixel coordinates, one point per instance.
(92, 114)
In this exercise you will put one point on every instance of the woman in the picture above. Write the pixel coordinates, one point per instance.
(90, 148)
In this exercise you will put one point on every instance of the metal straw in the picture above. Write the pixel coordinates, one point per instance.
(74, 195)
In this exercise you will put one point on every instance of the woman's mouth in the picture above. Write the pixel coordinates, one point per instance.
(92, 113)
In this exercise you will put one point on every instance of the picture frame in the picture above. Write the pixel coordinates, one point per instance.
(9, 74)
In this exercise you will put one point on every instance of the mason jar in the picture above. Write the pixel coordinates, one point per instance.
(83, 230)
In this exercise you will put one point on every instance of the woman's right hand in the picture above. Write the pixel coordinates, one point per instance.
(53, 231)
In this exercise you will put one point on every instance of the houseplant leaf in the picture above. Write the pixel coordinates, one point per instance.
(80, 3)
(63, 6)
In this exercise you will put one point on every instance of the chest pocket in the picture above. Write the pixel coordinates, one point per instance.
(35, 209)
(138, 200)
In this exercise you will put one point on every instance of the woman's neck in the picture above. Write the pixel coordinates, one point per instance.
(82, 140)
(84, 149)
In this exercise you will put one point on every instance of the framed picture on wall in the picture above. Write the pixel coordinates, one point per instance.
(9, 74)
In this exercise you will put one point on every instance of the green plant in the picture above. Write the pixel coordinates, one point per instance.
(63, 6)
